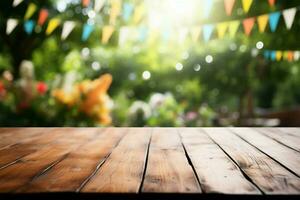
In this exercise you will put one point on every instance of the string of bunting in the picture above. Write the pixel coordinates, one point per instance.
(281, 55)
(129, 11)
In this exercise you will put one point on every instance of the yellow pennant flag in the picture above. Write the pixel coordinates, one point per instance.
(107, 33)
(195, 33)
(52, 25)
(115, 10)
(221, 29)
(247, 5)
(30, 11)
(278, 55)
(138, 13)
(262, 22)
(233, 27)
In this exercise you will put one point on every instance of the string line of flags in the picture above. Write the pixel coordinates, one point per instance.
(281, 55)
(207, 30)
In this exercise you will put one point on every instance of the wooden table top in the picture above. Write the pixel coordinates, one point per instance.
(150, 160)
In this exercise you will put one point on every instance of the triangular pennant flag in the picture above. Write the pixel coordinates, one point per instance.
(278, 55)
(138, 13)
(290, 56)
(207, 31)
(229, 6)
(107, 33)
(87, 30)
(115, 10)
(267, 54)
(273, 55)
(289, 16)
(233, 27)
(207, 6)
(273, 20)
(248, 25)
(143, 32)
(296, 55)
(272, 2)
(43, 16)
(98, 5)
(17, 2)
(195, 33)
(285, 55)
(221, 29)
(29, 26)
(246, 5)
(127, 11)
(182, 35)
(262, 22)
(11, 24)
(52, 25)
(67, 29)
(123, 36)
(30, 11)
(85, 3)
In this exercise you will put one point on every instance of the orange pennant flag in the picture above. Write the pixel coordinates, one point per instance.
(248, 25)
(290, 56)
(262, 22)
(85, 3)
(229, 6)
(43, 16)
(272, 2)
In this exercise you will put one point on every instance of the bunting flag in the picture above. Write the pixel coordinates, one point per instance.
(115, 10)
(124, 34)
(195, 33)
(273, 55)
(289, 16)
(262, 22)
(98, 5)
(107, 33)
(67, 29)
(273, 20)
(87, 30)
(29, 26)
(127, 11)
(138, 13)
(143, 32)
(17, 2)
(296, 55)
(182, 35)
(290, 56)
(207, 6)
(11, 24)
(233, 28)
(278, 55)
(248, 25)
(53, 24)
(207, 31)
(221, 29)
(43, 16)
(85, 3)
(272, 2)
(229, 6)
(30, 11)
(246, 5)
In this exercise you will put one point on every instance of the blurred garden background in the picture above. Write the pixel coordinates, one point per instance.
(149, 63)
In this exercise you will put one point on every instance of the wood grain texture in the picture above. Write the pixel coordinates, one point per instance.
(168, 169)
(286, 156)
(216, 171)
(266, 173)
(123, 170)
(31, 166)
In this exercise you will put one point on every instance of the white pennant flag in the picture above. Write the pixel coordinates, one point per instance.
(67, 29)
(124, 33)
(98, 5)
(289, 16)
(11, 25)
(17, 2)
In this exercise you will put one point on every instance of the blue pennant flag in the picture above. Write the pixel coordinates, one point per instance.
(143, 32)
(87, 30)
(207, 6)
(127, 11)
(273, 55)
(267, 54)
(29, 26)
(273, 20)
(207, 31)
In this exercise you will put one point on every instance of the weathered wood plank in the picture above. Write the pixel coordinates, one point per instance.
(278, 135)
(123, 170)
(70, 173)
(168, 169)
(20, 173)
(216, 171)
(266, 173)
(286, 156)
